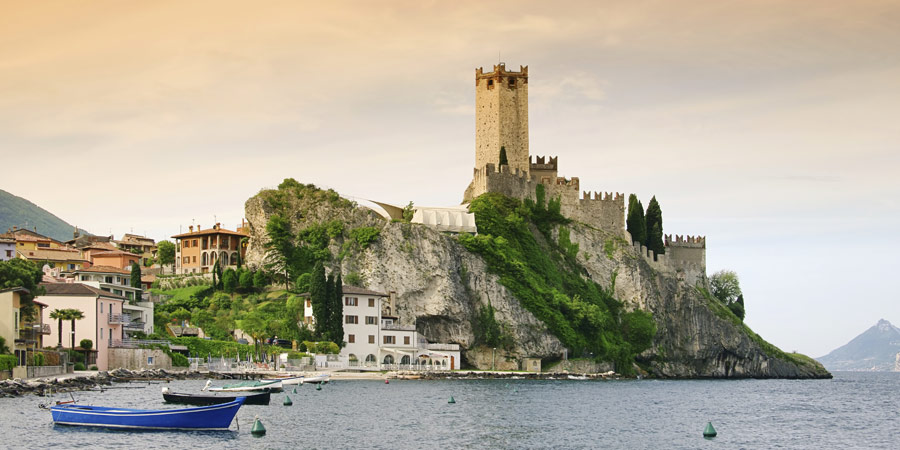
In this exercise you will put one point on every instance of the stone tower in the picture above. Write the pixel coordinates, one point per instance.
(501, 117)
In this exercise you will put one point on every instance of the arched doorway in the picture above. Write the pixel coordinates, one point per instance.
(404, 360)
(388, 359)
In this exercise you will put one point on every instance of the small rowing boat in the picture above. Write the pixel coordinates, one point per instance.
(261, 398)
(214, 417)
(286, 381)
(323, 378)
(246, 386)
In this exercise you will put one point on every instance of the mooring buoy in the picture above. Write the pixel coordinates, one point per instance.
(287, 401)
(258, 428)
(319, 387)
(451, 400)
(709, 431)
(295, 390)
(386, 381)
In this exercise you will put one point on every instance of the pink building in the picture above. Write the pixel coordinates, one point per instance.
(102, 322)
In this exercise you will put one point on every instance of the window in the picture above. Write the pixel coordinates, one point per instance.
(390, 339)
(84, 278)
(101, 331)
(490, 84)
(371, 320)
(405, 340)
(194, 243)
(371, 338)
(351, 301)
(195, 259)
(101, 312)
(351, 338)
(108, 280)
(352, 319)
(9, 253)
(149, 360)
(371, 303)
(512, 82)
(71, 266)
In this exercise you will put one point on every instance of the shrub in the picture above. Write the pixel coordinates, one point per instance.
(79, 366)
(179, 360)
(93, 367)
(7, 362)
(365, 235)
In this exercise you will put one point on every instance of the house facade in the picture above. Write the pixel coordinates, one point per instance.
(374, 338)
(102, 322)
(115, 258)
(143, 246)
(56, 258)
(198, 250)
(7, 247)
(108, 278)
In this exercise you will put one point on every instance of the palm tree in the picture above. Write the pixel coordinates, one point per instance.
(59, 315)
(73, 315)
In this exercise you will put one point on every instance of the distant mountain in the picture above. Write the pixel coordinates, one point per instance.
(876, 349)
(19, 212)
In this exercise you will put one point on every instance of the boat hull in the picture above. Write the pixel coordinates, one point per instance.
(261, 398)
(274, 386)
(289, 381)
(215, 417)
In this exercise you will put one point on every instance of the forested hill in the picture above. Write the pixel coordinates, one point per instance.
(19, 212)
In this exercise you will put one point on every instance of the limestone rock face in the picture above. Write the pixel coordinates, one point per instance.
(440, 287)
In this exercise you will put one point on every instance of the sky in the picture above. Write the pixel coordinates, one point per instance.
(770, 127)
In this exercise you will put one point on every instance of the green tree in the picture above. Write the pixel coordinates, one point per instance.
(653, 218)
(25, 274)
(181, 315)
(408, 212)
(281, 248)
(59, 315)
(136, 279)
(260, 280)
(165, 253)
(337, 311)
(246, 280)
(725, 286)
(230, 281)
(302, 284)
(503, 160)
(317, 295)
(4, 349)
(73, 315)
(636, 224)
(487, 329)
(254, 324)
(217, 270)
(85, 344)
(328, 328)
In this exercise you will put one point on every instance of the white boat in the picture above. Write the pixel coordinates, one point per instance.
(246, 386)
(323, 378)
(287, 381)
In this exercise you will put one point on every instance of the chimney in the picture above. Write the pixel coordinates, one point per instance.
(191, 227)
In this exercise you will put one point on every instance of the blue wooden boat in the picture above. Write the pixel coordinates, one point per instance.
(214, 417)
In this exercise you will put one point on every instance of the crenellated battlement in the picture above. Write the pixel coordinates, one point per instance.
(685, 241)
(542, 163)
(605, 196)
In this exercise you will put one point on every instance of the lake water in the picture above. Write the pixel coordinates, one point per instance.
(853, 410)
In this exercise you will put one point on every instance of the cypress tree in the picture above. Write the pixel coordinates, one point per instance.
(654, 227)
(317, 297)
(136, 279)
(636, 224)
(337, 311)
(329, 308)
(503, 160)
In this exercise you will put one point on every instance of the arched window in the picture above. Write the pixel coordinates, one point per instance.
(404, 360)
(203, 259)
(370, 358)
(388, 359)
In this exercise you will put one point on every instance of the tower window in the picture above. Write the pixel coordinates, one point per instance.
(490, 84)
(512, 82)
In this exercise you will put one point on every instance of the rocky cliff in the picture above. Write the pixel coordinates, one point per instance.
(440, 286)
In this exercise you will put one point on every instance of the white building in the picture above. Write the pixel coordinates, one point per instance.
(375, 340)
(7, 247)
(136, 315)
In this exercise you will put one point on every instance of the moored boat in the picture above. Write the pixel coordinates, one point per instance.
(260, 398)
(246, 386)
(323, 378)
(286, 381)
(214, 417)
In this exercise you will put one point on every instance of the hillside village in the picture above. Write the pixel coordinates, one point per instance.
(528, 269)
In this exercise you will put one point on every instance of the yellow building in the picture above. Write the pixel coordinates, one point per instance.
(56, 258)
(21, 336)
(197, 251)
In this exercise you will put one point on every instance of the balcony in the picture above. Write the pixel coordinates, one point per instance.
(45, 328)
(136, 343)
(115, 319)
(133, 326)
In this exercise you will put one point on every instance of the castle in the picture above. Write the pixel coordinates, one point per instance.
(501, 122)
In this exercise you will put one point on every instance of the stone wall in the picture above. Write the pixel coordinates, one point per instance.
(136, 358)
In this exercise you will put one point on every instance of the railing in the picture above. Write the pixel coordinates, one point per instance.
(398, 327)
(449, 347)
(117, 318)
(134, 326)
(136, 343)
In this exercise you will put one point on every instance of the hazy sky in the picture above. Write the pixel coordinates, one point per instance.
(771, 127)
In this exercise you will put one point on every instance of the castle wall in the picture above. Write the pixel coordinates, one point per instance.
(501, 117)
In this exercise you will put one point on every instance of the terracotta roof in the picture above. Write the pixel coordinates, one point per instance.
(360, 291)
(51, 254)
(148, 278)
(136, 239)
(21, 237)
(14, 289)
(77, 289)
(100, 245)
(114, 253)
(103, 269)
(208, 231)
